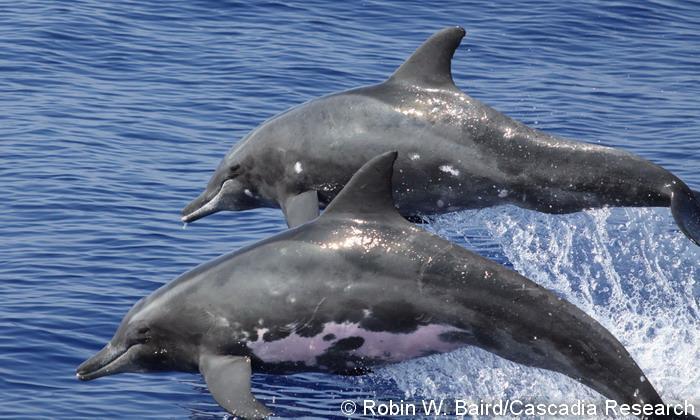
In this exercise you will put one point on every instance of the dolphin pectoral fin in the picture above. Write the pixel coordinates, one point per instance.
(685, 207)
(228, 379)
(301, 208)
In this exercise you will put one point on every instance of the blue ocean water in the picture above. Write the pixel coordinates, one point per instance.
(114, 114)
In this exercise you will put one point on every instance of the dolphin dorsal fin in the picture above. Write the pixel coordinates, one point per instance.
(369, 191)
(431, 63)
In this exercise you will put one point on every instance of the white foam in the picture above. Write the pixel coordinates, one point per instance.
(630, 269)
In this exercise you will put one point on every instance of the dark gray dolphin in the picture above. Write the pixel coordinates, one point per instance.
(454, 153)
(358, 287)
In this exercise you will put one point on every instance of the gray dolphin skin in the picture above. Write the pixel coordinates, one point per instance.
(455, 153)
(357, 288)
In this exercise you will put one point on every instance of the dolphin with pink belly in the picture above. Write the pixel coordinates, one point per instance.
(357, 288)
(455, 153)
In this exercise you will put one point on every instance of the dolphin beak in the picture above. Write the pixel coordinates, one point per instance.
(208, 202)
(197, 208)
(107, 361)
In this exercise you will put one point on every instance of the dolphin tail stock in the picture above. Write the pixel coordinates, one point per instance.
(685, 207)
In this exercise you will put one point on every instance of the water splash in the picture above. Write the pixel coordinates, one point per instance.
(630, 269)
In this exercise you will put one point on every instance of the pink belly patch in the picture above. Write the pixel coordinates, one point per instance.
(388, 347)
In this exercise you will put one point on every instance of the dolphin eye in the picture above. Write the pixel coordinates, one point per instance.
(142, 336)
(234, 170)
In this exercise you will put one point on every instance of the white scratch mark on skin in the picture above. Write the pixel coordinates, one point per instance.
(313, 315)
(414, 156)
(448, 169)
(503, 193)
(247, 192)
(298, 168)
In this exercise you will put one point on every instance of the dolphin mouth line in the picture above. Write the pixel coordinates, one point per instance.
(206, 209)
(103, 370)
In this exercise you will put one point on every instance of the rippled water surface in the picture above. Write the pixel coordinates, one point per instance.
(114, 114)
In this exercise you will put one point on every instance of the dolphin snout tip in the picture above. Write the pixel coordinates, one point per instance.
(85, 377)
(196, 209)
(82, 373)
(84, 368)
(200, 207)
(189, 208)
(191, 217)
(189, 212)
